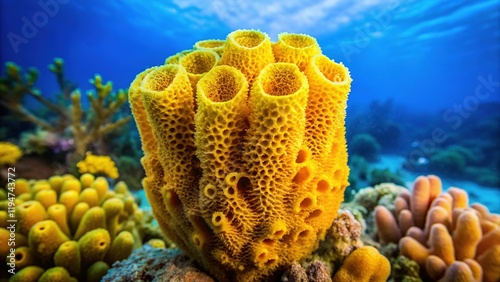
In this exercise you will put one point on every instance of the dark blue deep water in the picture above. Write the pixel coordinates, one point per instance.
(426, 74)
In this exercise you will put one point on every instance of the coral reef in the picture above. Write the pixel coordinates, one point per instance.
(449, 239)
(379, 120)
(9, 153)
(156, 264)
(378, 176)
(69, 228)
(342, 238)
(242, 174)
(466, 152)
(98, 164)
(86, 128)
(364, 203)
(366, 146)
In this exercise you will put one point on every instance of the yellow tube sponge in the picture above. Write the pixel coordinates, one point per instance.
(365, 264)
(121, 248)
(198, 63)
(233, 173)
(58, 214)
(101, 185)
(77, 215)
(249, 51)
(93, 246)
(92, 219)
(96, 271)
(113, 208)
(71, 185)
(296, 48)
(89, 196)
(68, 256)
(56, 274)
(86, 180)
(9, 153)
(22, 186)
(69, 199)
(24, 257)
(56, 183)
(28, 274)
(46, 197)
(98, 164)
(215, 45)
(45, 237)
(28, 214)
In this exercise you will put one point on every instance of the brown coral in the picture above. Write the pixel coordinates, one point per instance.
(445, 236)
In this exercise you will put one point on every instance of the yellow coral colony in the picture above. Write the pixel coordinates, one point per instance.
(98, 164)
(9, 153)
(245, 155)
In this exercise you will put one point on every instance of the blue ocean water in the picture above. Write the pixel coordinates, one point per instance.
(429, 68)
(425, 54)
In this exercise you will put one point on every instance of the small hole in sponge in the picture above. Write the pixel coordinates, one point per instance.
(209, 191)
(323, 186)
(279, 233)
(19, 257)
(230, 190)
(270, 261)
(197, 241)
(102, 244)
(243, 183)
(303, 233)
(306, 203)
(302, 175)
(262, 256)
(314, 214)
(42, 228)
(302, 156)
(173, 199)
(268, 242)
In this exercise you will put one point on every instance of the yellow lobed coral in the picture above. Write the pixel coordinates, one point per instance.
(80, 226)
(246, 164)
(448, 238)
(98, 164)
(9, 153)
(365, 264)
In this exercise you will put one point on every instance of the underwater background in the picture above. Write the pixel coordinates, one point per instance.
(417, 66)
(424, 98)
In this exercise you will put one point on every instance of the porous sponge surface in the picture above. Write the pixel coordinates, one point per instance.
(246, 171)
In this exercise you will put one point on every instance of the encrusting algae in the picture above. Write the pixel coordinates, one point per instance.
(244, 150)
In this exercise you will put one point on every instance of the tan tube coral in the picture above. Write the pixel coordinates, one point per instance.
(296, 48)
(249, 51)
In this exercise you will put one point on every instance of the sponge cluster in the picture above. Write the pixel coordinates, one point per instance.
(68, 229)
(244, 149)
